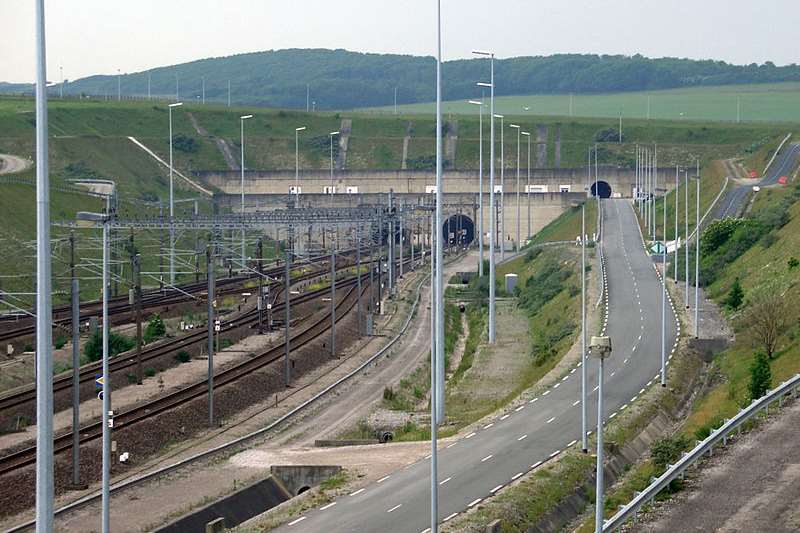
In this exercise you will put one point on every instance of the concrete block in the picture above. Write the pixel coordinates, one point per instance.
(216, 526)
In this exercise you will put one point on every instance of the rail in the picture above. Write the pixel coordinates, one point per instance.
(722, 433)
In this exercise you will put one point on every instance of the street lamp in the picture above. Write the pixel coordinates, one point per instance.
(480, 184)
(241, 120)
(519, 131)
(333, 189)
(528, 187)
(492, 333)
(697, 256)
(92, 220)
(502, 189)
(297, 164)
(171, 200)
(584, 433)
(600, 348)
(119, 86)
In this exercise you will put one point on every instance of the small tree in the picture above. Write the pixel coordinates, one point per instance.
(735, 296)
(767, 319)
(760, 376)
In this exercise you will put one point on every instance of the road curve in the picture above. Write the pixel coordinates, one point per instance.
(479, 464)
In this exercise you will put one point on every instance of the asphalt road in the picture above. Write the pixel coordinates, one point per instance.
(479, 464)
(733, 203)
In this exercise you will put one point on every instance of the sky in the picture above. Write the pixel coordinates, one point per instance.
(101, 36)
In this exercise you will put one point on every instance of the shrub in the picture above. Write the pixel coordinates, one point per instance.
(760, 376)
(150, 372)
(60, 342)
(667, 450)
(155, 329)
(93, 350)
(184, 143)
(388, 394)
(792, 263)
(735, 297)
(132, 378)
(183, 356)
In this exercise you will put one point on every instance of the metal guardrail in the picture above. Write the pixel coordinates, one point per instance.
(721, 434)
(236, 443)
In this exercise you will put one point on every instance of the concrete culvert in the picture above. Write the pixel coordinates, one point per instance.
(303, 489)
(385, 436)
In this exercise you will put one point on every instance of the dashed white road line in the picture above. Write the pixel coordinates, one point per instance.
(550, 420)
(356, 493)
(475, 502)
(450, 517)
(293, 522)
(445, 481)
(504, 417)
(486, 458)
(498, 487)
(523, 437)
(396, 507)
(516, 476)
(576, 402)
(324, 507)
(536, 464)
(520, 408)
(384, 478)
(487, 426)
(471, 435)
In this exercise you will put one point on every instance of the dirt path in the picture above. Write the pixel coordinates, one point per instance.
(755, 486)
(222, 144)
(12, 164)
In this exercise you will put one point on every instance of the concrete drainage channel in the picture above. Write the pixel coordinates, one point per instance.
(283, 484)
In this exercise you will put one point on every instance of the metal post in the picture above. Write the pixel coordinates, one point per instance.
(528, 187)
(686, 232)
(400, 275)
(171, 208)
(492, 332)
(439, 248)
(600, 486)
(137, 294)
(44, 333)
(287, 282)
(584, 431)
(664, 299)
(358, 282)
(76, 363)
(519, 159)
(333, 299)
(106, 500)
(229, 93)
(391, 243)
(697, 258)
(655, 186)
(241, 120)
(434, 382)
(677, 207)
(211, 329)
(480, 190)
(261, 302)
(502, 191)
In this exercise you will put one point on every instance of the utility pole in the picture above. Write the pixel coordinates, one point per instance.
(686, 232)
(391, 243)
(664, 298)
(358, 281)
(333, 299)
(260, 269)
(287, 283)
(212, 326)
(76, 366)
(697, 258)
(584, 431)
(137, 295)
(401, 244)
(229, 93)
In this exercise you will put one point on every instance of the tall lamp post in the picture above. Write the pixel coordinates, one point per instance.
(502, 189)
(171, 201)
(697, 256)
(480, 184)
(519, 137)
(297, 164)
(600, 349)
(492, 333)
(528, 186)
(244, 252)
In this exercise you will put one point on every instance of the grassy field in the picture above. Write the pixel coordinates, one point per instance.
(777, 102)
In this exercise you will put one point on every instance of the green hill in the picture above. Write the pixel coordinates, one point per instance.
(340, 79)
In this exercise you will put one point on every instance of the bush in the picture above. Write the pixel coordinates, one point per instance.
(150, 372)
(792, 263)
(117, 344)
(60, 342)
(183, 356)
(132, 378)
(388, 394)
(155, 329)
(667, 450)
(760, 376)
(184, 143)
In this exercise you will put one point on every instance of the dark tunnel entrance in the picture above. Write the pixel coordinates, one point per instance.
(458, 230)
(603, 187)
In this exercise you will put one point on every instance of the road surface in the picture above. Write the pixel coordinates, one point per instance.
(477, 465)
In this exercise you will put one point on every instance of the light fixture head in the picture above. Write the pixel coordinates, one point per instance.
(483, 53)
(300, 128)
(176, 104)
(245, 117)
(515, 126)
(334, 133)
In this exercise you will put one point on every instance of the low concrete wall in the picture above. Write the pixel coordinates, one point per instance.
(297, 478)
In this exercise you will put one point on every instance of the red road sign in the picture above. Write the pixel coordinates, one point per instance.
(782, 180)
(753, 174)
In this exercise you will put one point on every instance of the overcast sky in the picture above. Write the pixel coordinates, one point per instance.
(100, 36)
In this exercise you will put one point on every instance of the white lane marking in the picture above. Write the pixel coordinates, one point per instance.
(451, 445)
(641, 391)
(487, 426)
(473, 503)
(396, 507)
(498, 487)
(470, 435)
(536, 464)
(612, 415)
(520, 408)
(445, 481)
(523, 437)
(384, 478)
(356, 493)
(576, 402)
(557, 385)
(534, 400)
(565, 378)
(515, 476)
(426, 458)
(555, 453)
(595, 389)
(293, 522)
(327, 506)
(626, 360)
(450, 517)
(486, 458)
(504, 417)
(550, 420)
(624, 406)
(573, 370)
(426, 530)
(572, 443)
(546, 393)
(634, 398)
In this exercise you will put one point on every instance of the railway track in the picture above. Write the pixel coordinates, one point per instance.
(125, 419)
(63, 382)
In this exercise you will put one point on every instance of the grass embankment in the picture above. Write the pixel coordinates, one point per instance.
(759, 102)
(568, 225)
